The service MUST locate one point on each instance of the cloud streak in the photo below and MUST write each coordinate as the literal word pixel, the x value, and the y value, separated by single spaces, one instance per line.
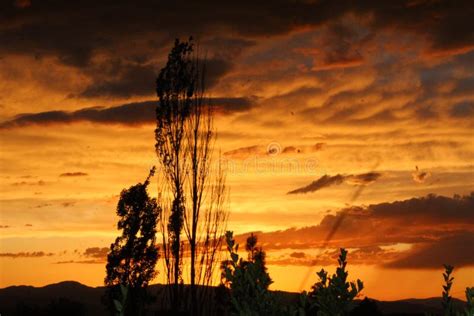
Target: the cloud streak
pixel 96 252
pixel 131 114
pixel 327 181
pixel 34 254
pixel 73 174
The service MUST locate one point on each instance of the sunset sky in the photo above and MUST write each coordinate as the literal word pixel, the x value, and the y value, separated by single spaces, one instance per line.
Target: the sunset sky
pixel 360 109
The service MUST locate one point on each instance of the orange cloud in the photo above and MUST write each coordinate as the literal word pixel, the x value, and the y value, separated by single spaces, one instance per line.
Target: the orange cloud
pixel 432 224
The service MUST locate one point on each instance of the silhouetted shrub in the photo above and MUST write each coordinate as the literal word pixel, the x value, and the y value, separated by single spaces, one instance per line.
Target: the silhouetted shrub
pixel 248 280
pixel 447 300
pixel 448 308
pixel 333 296
pixel 469 311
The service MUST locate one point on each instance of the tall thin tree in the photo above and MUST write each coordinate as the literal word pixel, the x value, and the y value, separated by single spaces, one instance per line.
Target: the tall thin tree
pixel 175 88
pixel 196 193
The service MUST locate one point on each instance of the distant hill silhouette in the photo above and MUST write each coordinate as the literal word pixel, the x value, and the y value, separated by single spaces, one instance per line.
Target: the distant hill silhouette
pixel 29 299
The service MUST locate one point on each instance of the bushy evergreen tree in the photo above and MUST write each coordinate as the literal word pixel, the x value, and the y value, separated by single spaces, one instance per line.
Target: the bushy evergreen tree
pixel 133 256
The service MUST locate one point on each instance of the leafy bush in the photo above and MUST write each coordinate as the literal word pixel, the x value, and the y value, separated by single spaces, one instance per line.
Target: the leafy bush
pixel 448 309
pixel 121 304
pixel 469 311
pixel 247 280
pixel 447 300
pixel 333 296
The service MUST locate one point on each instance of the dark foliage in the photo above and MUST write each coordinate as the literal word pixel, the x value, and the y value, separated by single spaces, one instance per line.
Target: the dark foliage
pixel 366 307
pixel 175 87
pixel 448 280
pixel 57 307
pixel 194 214
pixel 133 256
pixel 333 296
pixel 247 280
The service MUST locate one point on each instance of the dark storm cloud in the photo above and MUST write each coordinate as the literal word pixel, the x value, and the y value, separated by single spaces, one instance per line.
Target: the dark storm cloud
pixel 74 31
pixel 131 80
pixel 327 181
pixel 388 98
pixel 227 48
pixel 408 221
pixel 464 86
pixel 435 78
pixel 341 42
pixel 124 80
pixel 429 209
pixel 454 250
pixel 215 68
pixel 434 225
pixel 131 114
pixel 463 110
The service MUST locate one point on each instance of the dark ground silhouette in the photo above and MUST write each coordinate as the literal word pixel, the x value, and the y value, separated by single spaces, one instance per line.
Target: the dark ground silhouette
pixel 76 298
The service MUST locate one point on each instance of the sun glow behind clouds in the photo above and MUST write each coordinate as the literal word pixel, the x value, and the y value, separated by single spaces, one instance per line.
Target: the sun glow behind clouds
pixel 300 99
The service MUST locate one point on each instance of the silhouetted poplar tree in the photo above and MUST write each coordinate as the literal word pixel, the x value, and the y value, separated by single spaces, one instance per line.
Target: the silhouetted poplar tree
pixel 193 196
pixel 133 256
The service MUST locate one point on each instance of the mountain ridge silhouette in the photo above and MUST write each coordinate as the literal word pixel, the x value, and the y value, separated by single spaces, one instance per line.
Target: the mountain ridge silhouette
pixel 90 298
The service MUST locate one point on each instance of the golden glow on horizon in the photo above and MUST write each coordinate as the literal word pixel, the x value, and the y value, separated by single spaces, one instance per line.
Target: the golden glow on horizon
pixel 396 107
